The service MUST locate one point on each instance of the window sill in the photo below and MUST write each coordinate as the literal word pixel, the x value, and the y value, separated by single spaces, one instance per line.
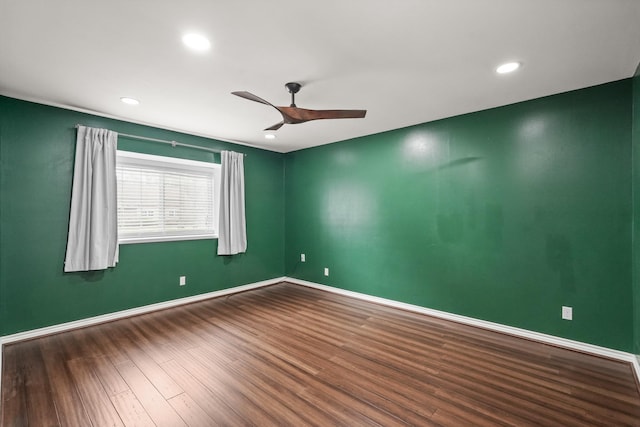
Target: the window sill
pixel 155 239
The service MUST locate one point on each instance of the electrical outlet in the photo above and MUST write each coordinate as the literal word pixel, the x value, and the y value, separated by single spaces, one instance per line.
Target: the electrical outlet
pixel 567 313
pixel 326 271
pixel 302 258
pixel 183 280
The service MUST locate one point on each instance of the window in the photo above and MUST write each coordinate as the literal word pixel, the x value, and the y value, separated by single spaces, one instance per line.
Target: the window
pixel 164 198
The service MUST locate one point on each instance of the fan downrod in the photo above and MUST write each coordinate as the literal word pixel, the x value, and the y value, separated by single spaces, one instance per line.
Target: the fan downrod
pixel 293 88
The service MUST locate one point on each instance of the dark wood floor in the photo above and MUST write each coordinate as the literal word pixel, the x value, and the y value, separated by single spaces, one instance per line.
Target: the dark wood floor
pixel 289 355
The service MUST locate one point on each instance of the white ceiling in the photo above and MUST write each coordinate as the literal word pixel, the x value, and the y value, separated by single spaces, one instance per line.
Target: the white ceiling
pixel 406 61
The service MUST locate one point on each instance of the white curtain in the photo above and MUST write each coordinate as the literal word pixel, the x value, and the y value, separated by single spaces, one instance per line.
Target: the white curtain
pixel 93 226
pixel 232 234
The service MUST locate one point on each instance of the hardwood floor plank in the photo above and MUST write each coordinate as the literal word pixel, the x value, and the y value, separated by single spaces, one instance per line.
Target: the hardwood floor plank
pixel 286 355
pixel 95 399
pixel 444 418
pixel 279 349
pixel 560 412
pixel 175 329
pixel 154 403
pixel 286 390
pixel 40 406
pixel 131 410
pixel 235 377
pixel 226 345
pixel 293 376
pixel 14 389
pixel 417 391
pixel 109 376
pixel 212 402
pixel 108 340
pixel 71 411
pixel 230 392
pixel 151 370
pixel 377 395
pixel 190 411
pixel 147 339
pixel 575 409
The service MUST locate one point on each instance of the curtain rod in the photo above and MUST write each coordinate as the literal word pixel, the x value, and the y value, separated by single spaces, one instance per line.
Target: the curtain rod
pixel 164 141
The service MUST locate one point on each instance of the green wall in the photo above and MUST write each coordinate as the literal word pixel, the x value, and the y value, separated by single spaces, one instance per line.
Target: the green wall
pixel 636 211
pixel 503 215
pixel 37 145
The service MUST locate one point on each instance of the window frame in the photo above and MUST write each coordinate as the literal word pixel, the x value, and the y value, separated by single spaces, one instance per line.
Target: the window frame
pixel 164 163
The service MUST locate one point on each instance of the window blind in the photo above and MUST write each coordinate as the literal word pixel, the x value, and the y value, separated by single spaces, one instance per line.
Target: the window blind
pixel 166 198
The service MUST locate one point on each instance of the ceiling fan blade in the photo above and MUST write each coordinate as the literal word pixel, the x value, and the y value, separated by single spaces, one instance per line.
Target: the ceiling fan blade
pixel 293 114
pixel 251 97
pixel 338 114
pixel 276 126
pixel 299 115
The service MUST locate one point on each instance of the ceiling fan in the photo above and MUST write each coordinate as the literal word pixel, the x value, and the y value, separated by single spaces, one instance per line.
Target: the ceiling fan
pixel 293 114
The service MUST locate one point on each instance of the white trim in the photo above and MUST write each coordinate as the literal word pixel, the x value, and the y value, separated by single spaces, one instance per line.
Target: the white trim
pixel 633 359
pixel 154 239
pixel 144 158
pixel 35 333
pixel 83 323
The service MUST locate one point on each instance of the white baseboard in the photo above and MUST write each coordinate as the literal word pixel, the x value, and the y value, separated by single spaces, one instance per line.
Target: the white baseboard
pixel 35 333
pixel 633 359
pixel 40 332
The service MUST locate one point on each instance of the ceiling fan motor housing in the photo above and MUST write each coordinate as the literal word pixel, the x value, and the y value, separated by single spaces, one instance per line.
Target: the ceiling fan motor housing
pixel 293 87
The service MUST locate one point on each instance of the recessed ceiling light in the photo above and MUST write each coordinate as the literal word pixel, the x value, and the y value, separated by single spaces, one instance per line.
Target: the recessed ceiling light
pixel 129 101
pixel 270 136
pixel 196 42
pixel 508 67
